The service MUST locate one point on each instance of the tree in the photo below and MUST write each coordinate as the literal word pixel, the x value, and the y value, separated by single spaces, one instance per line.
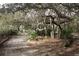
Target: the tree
pixel 44 17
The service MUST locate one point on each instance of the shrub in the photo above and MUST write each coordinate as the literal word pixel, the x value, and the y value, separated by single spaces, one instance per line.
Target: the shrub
pixel 67 36
pixel 66 33
pixel 7 30
pixel 31 34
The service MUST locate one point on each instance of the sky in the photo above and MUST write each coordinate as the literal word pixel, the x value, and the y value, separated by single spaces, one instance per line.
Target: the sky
pixel 38 1
pixel 0 5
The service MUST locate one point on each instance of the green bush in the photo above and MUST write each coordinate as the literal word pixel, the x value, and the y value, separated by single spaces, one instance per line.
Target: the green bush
pixel 66 33
pixel 31 34
pixel 67 36
pixel 7 30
